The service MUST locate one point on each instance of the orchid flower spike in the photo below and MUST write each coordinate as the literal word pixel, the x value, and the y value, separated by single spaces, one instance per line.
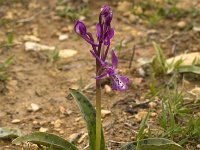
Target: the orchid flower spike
pixel 104 32
pixel 119 83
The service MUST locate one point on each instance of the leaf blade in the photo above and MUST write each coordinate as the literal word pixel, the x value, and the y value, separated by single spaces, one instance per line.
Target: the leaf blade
pixel 46 139
pixel 153 144
pixel 89 115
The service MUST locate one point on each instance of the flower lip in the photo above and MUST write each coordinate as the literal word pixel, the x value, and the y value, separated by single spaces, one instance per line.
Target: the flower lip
pixel 80 28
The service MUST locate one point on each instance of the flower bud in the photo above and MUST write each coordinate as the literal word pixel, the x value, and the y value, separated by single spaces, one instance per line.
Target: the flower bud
pixel 80 28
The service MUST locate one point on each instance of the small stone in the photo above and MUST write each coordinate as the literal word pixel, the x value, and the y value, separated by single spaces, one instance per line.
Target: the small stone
pixel 82 18
pixel 141 72
pixel 152 105
pixel 43 129
pixel 132 18
pixel 153 114
pixel 35 122
pixel 31 46
pixel 82 138
pixel 34 107
pixel 61 132
pixel 62 109
pixel 63 37
pixel 73 138
pixel 57 123
pixel 9 15
pixel 152 31
pixel 140 115
pixel 181 24
pixel 31 38
pixel 137 81
pixel 105 112
pixel 66 53
pixel 78 119
pixel 108 89
pixel 138 10
pixel 198 146
pixel 15 121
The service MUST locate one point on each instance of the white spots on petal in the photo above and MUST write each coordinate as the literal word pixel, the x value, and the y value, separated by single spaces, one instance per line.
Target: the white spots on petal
pixel 121 85
pixel 77 29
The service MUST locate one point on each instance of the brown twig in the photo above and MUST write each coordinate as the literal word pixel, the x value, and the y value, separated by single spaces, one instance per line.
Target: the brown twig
pixel 132 56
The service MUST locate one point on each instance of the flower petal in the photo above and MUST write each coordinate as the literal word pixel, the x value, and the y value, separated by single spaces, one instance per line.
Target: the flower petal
pixel 98 32
pixel 105 10
pixel 109 34
pixel 108 18
pixel 97 57
pixel 120 83
pixel 114 60
pixel 80 28
pixel 100 76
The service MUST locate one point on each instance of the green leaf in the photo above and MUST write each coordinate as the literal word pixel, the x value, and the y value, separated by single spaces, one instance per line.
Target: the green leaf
pixel 9 133
pixel 143 125
pixel 10 37
pixel 153 144
pixel 160 56
pixel 46 139
pixel 189 68
pixel 89 115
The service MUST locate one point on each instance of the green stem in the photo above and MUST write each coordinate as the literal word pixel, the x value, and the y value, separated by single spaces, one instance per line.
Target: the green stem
pixel 98 105
pixel 98 118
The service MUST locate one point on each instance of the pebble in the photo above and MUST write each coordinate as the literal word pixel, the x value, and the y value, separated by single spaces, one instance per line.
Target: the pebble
pixel 105 112
pixel 63 37
pixel 32 46
pixel 152 105
pixel 141 72
pixel 61 132
pixel 66 53
pixel 34 107
pixel 43 129
pixel 62 109
pixel 57 123
pixel 108 89
pixel 31 38
pixel 73 138
pixel 9 15
pixel 132 18
pixel 140 115
pixel 137 81
pixel 15 121
pixel 82 138
pixel 181 24
pixel 153 114
pixel 198 146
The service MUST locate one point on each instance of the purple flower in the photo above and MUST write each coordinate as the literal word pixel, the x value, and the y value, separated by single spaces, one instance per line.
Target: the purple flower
pixel 119 83
pixel 80 29
pixel 104 32
pixel 105 15
pixel 106 36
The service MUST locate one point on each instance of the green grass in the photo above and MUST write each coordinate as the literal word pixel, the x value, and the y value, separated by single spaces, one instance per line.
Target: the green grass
pixel 72 13
pixel 8 43
pixel 155 12
pixel 4 66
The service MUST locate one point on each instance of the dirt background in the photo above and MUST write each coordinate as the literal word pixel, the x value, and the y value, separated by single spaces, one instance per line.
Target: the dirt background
pixel 34 79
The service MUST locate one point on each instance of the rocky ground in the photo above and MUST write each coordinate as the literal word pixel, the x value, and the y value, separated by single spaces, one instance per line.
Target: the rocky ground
pixel 49 58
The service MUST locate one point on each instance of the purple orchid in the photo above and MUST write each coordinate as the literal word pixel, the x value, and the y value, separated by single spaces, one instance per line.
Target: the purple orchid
pixel 119 83
pixel 104 33
pixel 80 29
